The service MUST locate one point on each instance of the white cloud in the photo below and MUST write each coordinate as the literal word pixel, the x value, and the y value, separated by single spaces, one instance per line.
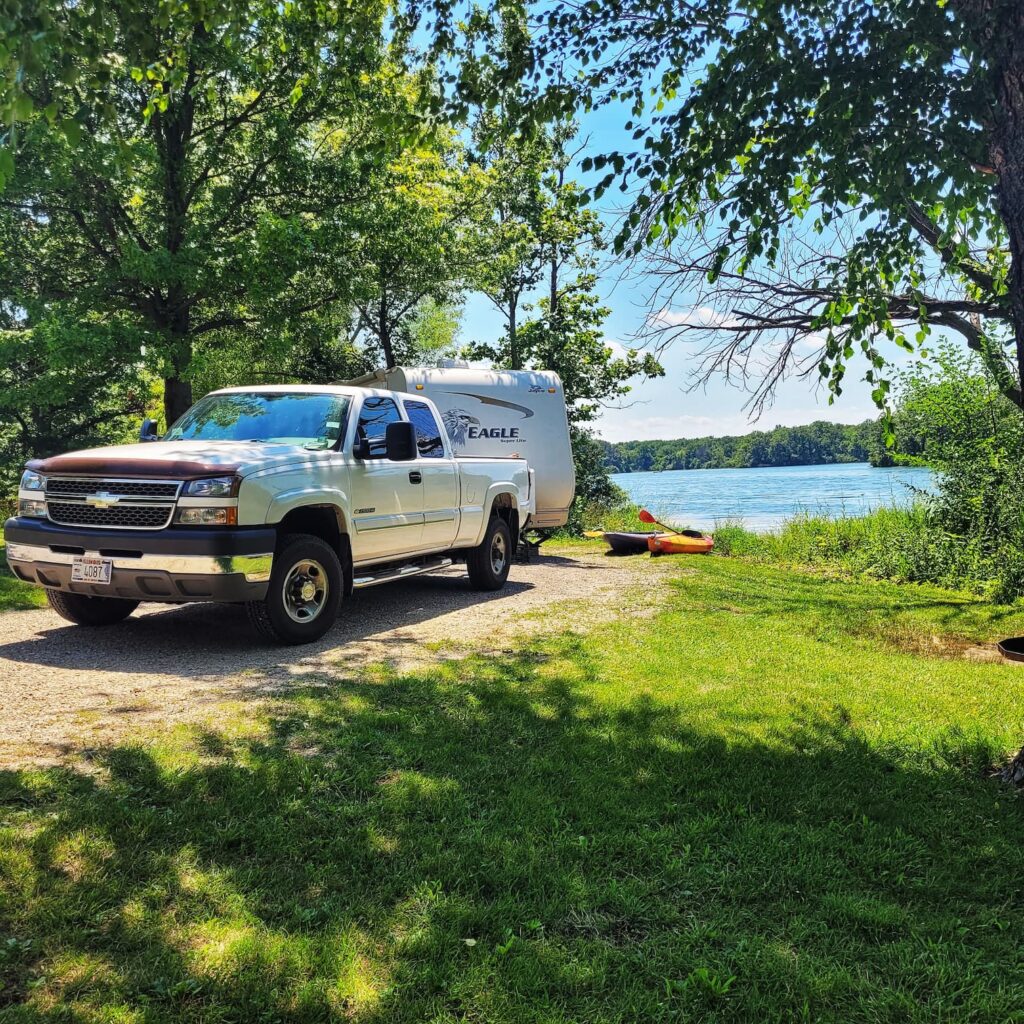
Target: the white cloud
pixel 708 319
pixel 812 342
pixel 695 316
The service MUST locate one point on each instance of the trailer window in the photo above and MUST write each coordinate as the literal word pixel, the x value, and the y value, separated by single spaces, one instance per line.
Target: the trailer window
pixel 428 433
pixel 374 418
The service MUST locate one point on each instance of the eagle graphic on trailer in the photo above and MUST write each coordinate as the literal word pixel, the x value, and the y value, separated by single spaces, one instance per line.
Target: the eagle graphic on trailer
pixel 457 422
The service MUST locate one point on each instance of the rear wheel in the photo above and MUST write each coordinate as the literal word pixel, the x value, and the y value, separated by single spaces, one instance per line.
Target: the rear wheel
pixel 306 585
pixel 84 610
pixel 489 562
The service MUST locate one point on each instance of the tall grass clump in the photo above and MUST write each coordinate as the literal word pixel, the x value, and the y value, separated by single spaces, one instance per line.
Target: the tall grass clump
pixel 901 544
pixel 617 514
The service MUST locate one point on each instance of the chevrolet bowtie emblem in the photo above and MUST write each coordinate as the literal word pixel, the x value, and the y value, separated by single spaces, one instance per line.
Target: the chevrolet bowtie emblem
pixel 101 499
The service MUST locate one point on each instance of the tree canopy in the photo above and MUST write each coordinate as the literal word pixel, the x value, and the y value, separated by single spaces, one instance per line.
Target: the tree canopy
pixel 846 172
pixel 205 194
pixel 222 201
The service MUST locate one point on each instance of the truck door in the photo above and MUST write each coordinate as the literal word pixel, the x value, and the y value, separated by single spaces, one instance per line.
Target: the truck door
pixel 438 475
pixel 386 499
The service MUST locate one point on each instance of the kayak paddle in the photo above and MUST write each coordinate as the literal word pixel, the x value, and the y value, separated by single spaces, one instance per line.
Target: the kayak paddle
pixel 646 517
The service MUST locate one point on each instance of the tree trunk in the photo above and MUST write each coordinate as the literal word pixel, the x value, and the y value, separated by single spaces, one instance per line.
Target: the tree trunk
pixel 177 388
pixel 177 398
pixel 999 29
pixel 553 287
pixel 174 136
pixel 1014 771
pixel 515 361
pixel 1008 161
pixel 553 277
pixel 384 330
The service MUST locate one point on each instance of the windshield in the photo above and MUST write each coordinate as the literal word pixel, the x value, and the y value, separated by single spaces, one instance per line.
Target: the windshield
pixel 311 420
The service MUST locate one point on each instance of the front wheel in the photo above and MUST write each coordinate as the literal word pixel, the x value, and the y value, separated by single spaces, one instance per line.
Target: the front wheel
pixel 304 594
pixel 83 610
pixel 488 563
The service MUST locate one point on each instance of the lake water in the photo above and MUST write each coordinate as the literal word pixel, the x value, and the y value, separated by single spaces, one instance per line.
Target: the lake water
pixel 764 498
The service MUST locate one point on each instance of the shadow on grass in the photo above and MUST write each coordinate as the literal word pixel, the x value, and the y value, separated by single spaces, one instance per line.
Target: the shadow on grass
pixel 486 841
pixel 878 610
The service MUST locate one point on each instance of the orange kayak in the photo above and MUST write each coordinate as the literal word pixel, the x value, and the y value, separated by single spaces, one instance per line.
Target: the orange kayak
pixel 689 542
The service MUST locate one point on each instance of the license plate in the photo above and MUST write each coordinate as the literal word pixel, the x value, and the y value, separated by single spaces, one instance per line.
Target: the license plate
pixel 89 569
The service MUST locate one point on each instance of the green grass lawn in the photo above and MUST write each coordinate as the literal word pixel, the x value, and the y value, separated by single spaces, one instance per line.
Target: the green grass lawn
pixel 14 594
pixel 761 803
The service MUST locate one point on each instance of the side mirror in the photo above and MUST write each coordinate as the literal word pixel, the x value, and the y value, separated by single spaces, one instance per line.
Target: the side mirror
pixel 400 440
pixel 147 432
pixel 369 448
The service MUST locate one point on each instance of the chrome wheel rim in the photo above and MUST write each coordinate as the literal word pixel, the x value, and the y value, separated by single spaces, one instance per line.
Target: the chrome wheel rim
pixel 305 590
pixel 498 554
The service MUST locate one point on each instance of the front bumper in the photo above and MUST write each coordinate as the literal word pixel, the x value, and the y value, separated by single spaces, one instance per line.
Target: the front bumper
pixel 174 565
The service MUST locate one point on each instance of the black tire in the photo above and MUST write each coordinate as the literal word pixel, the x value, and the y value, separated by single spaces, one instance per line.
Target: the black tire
pixel 489 562
pixel 84 610
pixel 305 591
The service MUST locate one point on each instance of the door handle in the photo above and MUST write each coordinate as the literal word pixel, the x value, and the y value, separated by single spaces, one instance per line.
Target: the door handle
pixel 415 476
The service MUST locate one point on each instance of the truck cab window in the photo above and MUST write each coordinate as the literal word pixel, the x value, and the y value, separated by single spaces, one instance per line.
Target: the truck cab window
pixel 374 418
pixel 428 433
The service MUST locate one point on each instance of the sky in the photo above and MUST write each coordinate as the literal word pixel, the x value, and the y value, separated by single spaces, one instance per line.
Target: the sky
pixel 668 407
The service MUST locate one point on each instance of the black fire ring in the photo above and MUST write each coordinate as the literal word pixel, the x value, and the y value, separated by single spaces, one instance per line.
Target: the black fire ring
pixel 1012 648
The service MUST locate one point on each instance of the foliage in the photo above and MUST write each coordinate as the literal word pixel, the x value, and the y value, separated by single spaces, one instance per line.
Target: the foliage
pixel 595 493
pixel 900 544
pixel 570 341
pixel 815 444
pixel 612 512
pixel 416 243
pixel 606 824
pixel 64 384
pixel 218 207
pixel 974 437
pixel 851 174
pixel 433 333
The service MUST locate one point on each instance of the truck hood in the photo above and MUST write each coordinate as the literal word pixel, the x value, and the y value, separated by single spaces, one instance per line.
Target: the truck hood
pixel 175 460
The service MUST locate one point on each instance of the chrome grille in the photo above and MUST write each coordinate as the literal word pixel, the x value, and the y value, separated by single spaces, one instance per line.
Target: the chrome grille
pixel 59 486
pixel 117 504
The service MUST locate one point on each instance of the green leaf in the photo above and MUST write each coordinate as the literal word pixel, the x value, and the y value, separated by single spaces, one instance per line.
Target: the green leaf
pixel 22 109
pixel 72 131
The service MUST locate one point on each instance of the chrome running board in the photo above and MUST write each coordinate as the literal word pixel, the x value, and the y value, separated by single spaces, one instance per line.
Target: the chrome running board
pixel 391 573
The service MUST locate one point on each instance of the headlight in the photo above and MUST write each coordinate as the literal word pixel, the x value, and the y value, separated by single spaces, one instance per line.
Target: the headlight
pixel 31 507
pixel 32 481
pixel 212 487
pixel 220 515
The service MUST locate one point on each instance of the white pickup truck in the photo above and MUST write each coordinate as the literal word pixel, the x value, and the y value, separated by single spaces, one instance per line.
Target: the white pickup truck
pixel 285 498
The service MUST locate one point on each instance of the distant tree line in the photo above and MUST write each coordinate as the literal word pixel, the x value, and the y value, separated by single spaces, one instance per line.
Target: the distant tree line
pixel 815 444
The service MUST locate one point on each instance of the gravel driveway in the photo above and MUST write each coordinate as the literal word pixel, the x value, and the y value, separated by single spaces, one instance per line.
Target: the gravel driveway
pixel 64 688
